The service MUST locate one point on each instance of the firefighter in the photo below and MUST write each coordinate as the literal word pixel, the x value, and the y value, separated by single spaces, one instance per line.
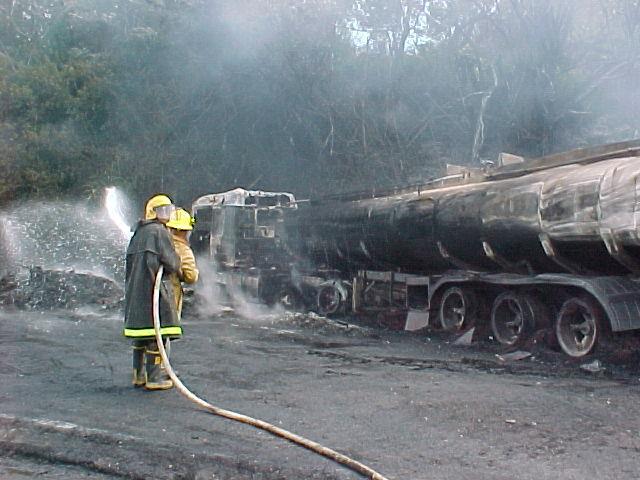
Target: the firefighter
pixel 150 247
pixel 181 224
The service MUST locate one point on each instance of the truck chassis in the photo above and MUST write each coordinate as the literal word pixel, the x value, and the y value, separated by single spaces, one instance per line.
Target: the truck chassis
pixel 579 309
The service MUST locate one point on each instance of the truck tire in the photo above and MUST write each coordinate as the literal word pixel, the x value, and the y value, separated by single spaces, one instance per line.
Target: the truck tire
pixel 329 300
pixel 457 309
pixel 579 326
pixel 514 317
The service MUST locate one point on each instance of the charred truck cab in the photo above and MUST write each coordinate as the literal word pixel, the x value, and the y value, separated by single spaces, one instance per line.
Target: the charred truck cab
pixel 243 234
pixel 240 232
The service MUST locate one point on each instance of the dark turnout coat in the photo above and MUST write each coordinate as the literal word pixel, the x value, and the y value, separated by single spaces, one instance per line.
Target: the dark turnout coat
pixel 150 247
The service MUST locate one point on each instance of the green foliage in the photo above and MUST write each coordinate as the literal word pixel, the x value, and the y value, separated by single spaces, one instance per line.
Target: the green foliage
pixel 312 96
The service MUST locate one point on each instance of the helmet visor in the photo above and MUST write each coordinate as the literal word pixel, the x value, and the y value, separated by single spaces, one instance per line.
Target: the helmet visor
pixel 164 212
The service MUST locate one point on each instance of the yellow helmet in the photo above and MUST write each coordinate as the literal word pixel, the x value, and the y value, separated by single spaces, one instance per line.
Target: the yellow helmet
pixel 153 203
pixel 181 220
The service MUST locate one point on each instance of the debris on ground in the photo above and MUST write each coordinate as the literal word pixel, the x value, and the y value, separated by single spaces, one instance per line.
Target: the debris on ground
pixel 321 324
pixel 513 356
pixel 47 289
pixel 592 367
pixel 466 338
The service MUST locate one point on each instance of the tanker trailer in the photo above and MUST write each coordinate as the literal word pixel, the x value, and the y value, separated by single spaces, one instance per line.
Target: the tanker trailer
pixel 533 243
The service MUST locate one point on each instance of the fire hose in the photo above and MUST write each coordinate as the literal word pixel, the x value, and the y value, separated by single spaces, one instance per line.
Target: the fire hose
pixel 278 432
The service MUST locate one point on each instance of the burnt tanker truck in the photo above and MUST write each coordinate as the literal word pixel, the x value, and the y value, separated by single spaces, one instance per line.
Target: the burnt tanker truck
pixel 527 244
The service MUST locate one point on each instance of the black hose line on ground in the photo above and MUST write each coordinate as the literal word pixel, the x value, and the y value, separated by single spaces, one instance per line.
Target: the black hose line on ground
pixel 278 432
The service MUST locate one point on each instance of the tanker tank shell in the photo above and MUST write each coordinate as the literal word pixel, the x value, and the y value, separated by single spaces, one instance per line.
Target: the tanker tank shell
pixel 576 212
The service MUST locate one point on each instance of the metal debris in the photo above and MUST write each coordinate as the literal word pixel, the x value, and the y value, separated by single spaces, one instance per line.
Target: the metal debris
pixel 513 356
pixel 592 367
pixel 466 338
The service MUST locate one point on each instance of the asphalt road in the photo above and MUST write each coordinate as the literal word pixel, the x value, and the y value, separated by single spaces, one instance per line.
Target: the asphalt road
pixel 409 406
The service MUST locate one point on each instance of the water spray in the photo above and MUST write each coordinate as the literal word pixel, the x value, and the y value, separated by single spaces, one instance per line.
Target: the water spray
pixel 113 202
pixel 262 425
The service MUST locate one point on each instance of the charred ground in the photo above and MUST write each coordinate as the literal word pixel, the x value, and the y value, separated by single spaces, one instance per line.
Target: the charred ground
pixel 412 406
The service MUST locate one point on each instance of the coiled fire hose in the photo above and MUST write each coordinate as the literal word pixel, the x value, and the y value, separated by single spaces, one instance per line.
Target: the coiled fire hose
pixel 278 432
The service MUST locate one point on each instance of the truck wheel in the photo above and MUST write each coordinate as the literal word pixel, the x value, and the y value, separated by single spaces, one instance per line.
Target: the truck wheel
pixel 290 299
pixel 329 300
pixel 513 317
pixel 457 309
pixel 578 326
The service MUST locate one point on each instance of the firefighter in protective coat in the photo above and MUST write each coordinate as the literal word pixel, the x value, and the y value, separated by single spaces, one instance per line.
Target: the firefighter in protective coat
pixel 181 224
pixel 150 247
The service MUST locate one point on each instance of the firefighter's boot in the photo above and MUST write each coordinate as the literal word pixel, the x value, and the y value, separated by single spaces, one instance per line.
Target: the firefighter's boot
pixel 156 378
pixel 139 376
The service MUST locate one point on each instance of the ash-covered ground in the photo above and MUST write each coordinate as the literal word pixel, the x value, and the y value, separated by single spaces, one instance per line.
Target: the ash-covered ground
pixel 411 406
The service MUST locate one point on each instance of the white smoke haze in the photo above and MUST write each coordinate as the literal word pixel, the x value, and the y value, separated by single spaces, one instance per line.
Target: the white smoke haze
pixel 252 310
pixel 248 28
pixel 216 295
pixel 209 293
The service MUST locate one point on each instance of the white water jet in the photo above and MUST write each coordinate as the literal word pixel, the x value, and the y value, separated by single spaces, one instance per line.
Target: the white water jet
pixel 115 203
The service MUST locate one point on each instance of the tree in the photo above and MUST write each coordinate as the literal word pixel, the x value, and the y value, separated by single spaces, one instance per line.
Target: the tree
pixel 312 96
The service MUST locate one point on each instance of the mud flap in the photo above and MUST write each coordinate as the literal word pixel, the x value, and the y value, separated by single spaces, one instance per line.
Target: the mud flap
pixel 416 320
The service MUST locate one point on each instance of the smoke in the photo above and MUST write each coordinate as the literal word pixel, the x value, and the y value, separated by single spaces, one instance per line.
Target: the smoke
pixel 217 294
pixel 248 29
pixel 210 298
pixel 251 309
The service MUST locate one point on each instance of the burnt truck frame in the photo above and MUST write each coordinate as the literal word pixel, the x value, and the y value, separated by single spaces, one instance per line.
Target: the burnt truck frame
pixel 242 233
pixel 543 243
